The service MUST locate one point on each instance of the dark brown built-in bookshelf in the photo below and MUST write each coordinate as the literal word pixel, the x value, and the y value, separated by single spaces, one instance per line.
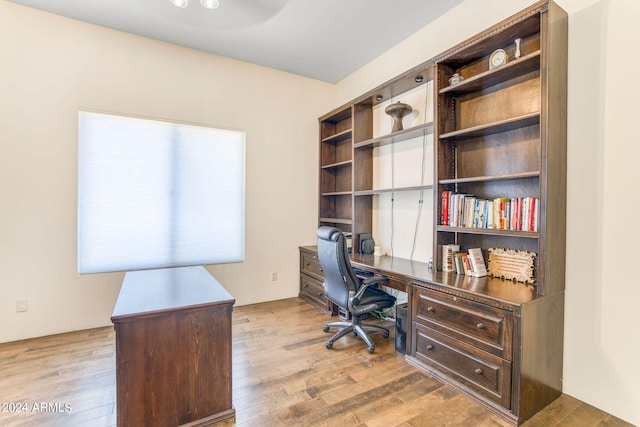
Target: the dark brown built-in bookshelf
pixel 499 133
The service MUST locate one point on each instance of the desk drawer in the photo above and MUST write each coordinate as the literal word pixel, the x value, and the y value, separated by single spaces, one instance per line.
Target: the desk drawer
pixel 488 328
pixel 483 372
pixel 309 264
pixel 313 291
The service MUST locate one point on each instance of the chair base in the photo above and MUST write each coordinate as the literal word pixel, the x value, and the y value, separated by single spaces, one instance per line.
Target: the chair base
pixel 358 328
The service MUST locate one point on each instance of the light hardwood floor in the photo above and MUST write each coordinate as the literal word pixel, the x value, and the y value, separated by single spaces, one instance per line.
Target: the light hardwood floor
pixel 282 376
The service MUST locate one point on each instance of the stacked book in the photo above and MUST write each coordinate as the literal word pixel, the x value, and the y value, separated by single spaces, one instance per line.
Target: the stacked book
pixel 468 263
pixel 466 210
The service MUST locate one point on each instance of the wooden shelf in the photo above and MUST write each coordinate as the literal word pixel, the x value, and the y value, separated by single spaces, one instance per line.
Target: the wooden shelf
pixel 523 175
pixel 337 115
pixel 338 193
pixel 516 67
pixel 489 231
pixel 338 165
pixel 336 220
pixel 493 128
pixel 392 190
pixel 402 135
pixel 340 136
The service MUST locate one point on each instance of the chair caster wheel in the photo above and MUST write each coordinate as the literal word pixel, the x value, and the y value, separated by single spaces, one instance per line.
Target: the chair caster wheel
pixel 385 334
pixel 370 350
pixel 325 329
pixel 329 345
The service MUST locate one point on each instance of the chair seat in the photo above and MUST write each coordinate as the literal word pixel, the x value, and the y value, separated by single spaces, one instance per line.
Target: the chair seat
pixel 378 297
pixel 373 299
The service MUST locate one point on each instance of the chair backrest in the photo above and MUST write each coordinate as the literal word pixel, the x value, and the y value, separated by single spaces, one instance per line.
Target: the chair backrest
pixel 339 277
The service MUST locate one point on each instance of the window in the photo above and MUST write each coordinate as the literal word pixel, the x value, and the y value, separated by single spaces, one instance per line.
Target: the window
pixel 155 194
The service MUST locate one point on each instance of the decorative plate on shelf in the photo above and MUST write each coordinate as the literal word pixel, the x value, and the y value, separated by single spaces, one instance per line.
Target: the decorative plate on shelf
pixel 498 58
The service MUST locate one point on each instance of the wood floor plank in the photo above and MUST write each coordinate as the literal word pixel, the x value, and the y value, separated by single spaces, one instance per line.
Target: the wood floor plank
pixel 611 421
pixel 282 376
pixel 400 415
pixel 583 415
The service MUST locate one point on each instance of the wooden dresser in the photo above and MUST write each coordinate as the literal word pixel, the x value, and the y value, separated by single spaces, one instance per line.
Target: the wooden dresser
pixel 173 349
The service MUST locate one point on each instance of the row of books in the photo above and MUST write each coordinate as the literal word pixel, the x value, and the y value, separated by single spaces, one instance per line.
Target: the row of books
pixel 468 263
pixel 502 213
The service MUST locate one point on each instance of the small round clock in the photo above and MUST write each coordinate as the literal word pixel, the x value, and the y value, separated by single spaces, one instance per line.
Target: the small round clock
pixel 498 58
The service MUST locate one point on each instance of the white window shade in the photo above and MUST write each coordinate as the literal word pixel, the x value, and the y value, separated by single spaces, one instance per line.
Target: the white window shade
pixel 155 194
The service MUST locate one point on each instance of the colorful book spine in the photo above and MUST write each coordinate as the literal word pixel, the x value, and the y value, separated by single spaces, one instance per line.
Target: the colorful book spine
pixel 444 209
pixel 459 262
pixel 501 213
pixel 448 252
pixel 467 266
pixel 478 266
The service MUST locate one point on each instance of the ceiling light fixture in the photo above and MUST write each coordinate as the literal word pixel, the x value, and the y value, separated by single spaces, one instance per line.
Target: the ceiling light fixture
pixel 180 3
pixel 209 4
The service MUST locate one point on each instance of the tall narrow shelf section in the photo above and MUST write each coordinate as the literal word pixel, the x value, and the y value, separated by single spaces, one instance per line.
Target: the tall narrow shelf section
pixel 500 140
pixel 501 135
pixel 336 170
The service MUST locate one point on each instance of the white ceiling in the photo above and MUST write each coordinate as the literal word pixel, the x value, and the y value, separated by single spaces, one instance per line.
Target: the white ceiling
pixel 321 39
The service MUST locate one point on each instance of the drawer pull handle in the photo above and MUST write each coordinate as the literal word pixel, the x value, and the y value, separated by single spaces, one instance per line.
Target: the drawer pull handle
pixel 478 371
pixel 430 309
pixel 480 326
pixel 429 347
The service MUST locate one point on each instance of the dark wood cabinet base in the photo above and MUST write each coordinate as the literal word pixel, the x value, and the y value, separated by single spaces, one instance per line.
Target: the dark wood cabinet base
pixel 173 349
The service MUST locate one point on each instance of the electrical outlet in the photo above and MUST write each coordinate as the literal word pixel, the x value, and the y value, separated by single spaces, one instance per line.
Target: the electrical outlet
pixel 274 276
pixel 22 305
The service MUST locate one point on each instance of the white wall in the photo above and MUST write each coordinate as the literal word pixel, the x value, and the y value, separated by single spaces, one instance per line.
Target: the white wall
pixel 52 66
pixel 602 344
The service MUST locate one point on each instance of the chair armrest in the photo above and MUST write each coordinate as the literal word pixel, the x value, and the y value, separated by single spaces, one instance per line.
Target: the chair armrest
pixel 373 280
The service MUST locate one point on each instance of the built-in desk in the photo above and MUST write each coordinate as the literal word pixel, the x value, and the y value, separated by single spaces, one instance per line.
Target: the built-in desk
pixel 495 340
pixel 173 349
pixel 402 272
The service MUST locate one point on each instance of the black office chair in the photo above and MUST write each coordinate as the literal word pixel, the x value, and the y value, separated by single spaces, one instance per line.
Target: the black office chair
pixel 348 291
